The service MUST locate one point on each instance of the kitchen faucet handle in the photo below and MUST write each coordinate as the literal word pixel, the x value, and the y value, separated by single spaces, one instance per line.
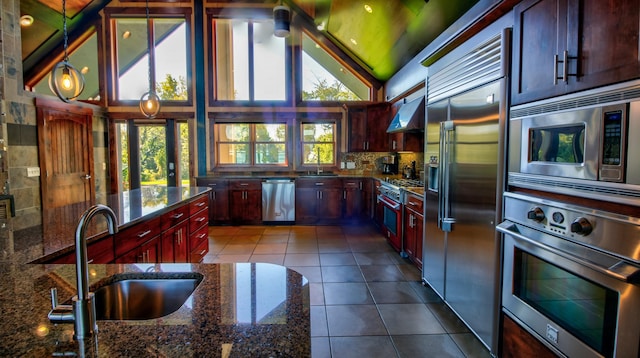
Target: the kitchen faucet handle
pixel 54 298
pixel 60 313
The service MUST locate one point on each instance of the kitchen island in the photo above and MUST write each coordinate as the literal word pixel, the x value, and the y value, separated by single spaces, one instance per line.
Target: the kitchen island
pixel 237 310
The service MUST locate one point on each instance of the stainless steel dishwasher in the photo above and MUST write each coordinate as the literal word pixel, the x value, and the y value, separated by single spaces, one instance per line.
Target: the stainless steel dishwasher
pixel 279 200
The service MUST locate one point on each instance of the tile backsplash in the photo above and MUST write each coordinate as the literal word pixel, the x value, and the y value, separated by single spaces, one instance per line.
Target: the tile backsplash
pixel 371 162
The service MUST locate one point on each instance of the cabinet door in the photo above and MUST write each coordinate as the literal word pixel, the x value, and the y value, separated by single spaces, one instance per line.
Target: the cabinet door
pixel 409 142
pixel 604 38
pixel 357 129
pixel 378 120
pixel 330 205
pixel 236 205
pixel 253 208
pixel 409 243
pixel 539 34
pixel 418 228
pixel 219 206
pixel 353 198
pixel 148 252
pixel 306 202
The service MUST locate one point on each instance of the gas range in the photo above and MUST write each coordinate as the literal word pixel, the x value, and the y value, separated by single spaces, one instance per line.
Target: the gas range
pixel 393 188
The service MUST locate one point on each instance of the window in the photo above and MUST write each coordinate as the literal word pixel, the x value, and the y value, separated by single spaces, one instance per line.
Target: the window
pixel 252 144
pixel 169 54
pixel 85 59
pixel 250 61
pixel 326 79
pixel 318 143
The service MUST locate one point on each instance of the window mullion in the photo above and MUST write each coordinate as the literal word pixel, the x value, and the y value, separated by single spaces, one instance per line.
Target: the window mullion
pixel 250 61
pixel 152 52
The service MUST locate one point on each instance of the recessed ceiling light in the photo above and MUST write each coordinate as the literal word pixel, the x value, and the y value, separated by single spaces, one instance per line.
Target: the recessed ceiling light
pixel 26 20
pixel 126 34
pixel 84 70
pixel 353 41
pixel 368 8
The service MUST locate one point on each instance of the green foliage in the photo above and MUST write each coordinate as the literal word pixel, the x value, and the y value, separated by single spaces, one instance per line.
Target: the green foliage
pixel 172 89
pixel 324 91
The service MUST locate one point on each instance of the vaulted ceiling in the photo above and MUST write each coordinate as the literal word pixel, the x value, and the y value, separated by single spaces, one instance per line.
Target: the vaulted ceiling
pixel 381 35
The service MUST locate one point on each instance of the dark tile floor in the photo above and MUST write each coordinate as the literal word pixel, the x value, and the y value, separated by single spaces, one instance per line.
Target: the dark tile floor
pixel 366 301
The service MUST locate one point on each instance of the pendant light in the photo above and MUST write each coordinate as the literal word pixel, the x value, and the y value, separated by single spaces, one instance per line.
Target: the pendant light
pixel 65 81
pixel 281 20
pixel 149 102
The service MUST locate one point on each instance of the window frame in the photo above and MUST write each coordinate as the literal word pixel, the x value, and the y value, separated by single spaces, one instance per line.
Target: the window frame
pixel 318 118
pixel 252 119
pixel 114 13
pixel 214 14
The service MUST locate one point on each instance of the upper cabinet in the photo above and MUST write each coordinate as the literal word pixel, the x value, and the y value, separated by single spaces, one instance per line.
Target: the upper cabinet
pixel 368 127
pixel 564 46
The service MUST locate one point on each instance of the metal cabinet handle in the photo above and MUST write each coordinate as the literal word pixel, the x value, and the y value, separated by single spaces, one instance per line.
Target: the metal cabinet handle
pixel 86 176
pixel 200 204
pixel 200 219
pixel 177 216
pixel 143 234
pixel 319 183
pixel 213 195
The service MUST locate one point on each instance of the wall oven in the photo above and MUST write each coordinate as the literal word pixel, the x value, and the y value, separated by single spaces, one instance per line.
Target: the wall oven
pixel 572 276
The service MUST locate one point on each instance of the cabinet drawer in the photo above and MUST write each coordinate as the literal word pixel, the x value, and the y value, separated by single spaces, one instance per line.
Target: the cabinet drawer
pixel 414 203
pixel 174 217
pixel 132 237
pixel 198 253
pixel 333 183
pixel 199 219
pixel 253 184
pixel 198 204
pixel 352 183
pixel 197 237
pixel 215 184
pixel 98 252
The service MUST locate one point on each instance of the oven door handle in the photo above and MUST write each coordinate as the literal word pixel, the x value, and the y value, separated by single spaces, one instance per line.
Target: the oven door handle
pixel 620 271
pixel 389 203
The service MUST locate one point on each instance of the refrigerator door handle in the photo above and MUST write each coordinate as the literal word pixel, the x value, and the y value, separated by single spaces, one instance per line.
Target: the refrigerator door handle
pixel 445 222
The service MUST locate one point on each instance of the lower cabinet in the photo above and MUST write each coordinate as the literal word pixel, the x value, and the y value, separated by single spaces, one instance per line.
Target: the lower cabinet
pixel 98 252
pixel 175 243
pixel 353 198
pixel 413 224
pixel 218 199
pixel 318 201
pixel 148 252
pixel 246 201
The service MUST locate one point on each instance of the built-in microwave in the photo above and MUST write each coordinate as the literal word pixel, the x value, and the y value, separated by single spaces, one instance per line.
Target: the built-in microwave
pixel 583 148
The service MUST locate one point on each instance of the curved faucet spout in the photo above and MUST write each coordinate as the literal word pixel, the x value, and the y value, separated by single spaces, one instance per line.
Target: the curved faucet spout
pixel 82 274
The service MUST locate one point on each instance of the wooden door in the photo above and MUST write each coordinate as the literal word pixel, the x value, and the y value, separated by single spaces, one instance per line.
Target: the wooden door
pixel 357 129
pixel 65 142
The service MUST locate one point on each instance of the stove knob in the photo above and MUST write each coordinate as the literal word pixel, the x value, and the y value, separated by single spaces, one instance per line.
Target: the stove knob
pixel 581 226
pixel 536 214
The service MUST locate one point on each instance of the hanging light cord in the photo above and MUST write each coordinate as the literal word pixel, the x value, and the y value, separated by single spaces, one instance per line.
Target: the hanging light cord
pixel 64 29
pixel 149 45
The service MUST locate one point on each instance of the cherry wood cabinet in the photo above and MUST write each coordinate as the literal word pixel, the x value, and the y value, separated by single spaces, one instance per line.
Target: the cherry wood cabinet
pixel 368 198
pixel 413 225
pixel 368 127
pixel 517 342
pixel 218 199
pixel 318 200
pixel 353 198
pixel 564 46
pixel 175 243
pixel 198 229
pixel 406 142
pixel 246 201
pixel 100 251
pixel 147 252
pixel 132 238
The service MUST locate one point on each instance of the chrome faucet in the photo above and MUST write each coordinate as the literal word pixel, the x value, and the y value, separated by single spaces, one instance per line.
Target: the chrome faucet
pixel 319 170
pixel 83 311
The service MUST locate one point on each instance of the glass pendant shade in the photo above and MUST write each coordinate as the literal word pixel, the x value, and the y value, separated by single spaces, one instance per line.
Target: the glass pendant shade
pixel 66 81
pixel 150 104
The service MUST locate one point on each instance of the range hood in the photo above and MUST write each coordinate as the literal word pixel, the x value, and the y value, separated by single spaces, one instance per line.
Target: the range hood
pixel 410 117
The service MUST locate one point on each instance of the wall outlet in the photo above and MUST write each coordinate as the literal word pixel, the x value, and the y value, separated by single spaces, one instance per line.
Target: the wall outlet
pixel 33 171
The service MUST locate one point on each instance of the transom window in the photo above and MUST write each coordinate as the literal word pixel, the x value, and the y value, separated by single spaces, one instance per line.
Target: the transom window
pixel 318 143
pixel 251 144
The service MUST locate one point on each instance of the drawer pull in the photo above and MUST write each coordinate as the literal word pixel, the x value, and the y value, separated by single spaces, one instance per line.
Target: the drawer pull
pixel 143 234
pixel 244 184
pixel 200 219
pixel 177 216
pixel 201 236
pixel 319 184
pixel 200 204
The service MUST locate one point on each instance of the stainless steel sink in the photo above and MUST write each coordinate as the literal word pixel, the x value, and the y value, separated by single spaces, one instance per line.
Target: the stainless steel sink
pixel 144 296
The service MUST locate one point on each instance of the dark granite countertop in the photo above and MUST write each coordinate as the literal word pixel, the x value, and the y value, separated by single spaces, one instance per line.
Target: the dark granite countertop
pixel 246 309
pixel 57 234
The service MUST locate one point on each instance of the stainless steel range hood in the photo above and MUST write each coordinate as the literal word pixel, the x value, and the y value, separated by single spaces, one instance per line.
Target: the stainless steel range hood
pixel 410 117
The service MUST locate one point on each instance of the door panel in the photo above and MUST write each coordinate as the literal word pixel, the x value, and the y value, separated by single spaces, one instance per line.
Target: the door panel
pixel 66 155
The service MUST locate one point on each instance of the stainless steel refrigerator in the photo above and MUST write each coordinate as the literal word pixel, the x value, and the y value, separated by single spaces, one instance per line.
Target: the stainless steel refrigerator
pixel 464 158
